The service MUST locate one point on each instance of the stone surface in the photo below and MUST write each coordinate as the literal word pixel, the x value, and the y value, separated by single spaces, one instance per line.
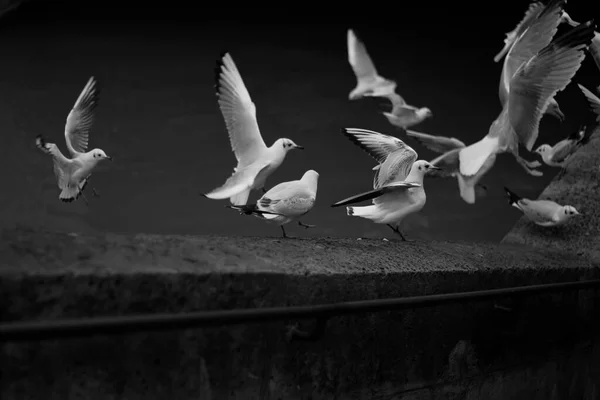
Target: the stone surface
pixel 430 353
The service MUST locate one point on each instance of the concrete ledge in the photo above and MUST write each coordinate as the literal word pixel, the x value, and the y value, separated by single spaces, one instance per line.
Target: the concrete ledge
pixel 434 352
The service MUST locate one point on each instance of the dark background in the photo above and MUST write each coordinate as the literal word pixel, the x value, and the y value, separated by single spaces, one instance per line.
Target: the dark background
pixel 158 115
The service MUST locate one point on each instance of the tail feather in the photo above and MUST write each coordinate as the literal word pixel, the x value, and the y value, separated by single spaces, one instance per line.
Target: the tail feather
pixel 513 199
pixel 72 192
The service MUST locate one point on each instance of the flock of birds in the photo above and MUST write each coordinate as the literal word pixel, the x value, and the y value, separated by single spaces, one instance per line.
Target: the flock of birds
pixel 537 65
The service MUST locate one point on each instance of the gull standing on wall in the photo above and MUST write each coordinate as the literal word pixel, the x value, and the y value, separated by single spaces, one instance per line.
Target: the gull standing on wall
pixel 533 85
pixel 449 147
pixel 560 153
pixel 542 212
pixel 398 182
pixel 255 161
pixel 286 201
pixel 73 174
pixel 368 81
pixel 519 54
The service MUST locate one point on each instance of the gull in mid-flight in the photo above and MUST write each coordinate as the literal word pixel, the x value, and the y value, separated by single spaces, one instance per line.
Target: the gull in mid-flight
pixel 542 212
pixel 285 202
pixel 533 85
pixel 449 147
pixel 398 182
pixel 74 173
pixel 404 115
pixel 255 161
pixel 368 81
pixel 543 22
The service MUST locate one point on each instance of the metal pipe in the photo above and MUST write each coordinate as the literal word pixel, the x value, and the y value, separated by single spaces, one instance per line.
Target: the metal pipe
pixel 68 328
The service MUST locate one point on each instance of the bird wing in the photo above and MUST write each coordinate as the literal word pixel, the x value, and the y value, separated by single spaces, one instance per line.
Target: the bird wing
pixel 378 145
pixel 371 194
pixel 396 167
pixel 81 117
pixel 239 113
pixel 539 33
pixel 63 167
pixel 359 59
pixel 439 144
pixel 538 80
pixel 532 12
pixel 592 100
pixel 241 180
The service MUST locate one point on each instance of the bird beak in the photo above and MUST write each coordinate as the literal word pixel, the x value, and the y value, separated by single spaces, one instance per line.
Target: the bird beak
pixel 577 212
pixel 434 167
pixel 109 158
pixel 299 147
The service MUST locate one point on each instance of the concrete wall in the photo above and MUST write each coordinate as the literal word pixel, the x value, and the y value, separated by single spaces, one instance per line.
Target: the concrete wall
pixel 524 349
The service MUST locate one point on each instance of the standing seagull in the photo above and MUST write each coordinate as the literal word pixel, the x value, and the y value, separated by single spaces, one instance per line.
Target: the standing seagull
pixel 524 47
pixel 449 147
pixel 560 153
pixel 73 174
pixel 285 202
pixel 255 160
pixel 368 81
pixel 404 115
pixel 531 88
pixel 398 183
pixel 542 212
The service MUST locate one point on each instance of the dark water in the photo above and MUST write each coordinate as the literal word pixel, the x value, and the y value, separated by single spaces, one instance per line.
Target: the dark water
pixel 159 119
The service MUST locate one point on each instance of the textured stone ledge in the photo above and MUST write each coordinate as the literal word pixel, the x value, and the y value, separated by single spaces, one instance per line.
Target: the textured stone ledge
pixel 446 349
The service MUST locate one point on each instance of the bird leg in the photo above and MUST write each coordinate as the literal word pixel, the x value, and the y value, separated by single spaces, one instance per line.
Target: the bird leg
pixel 84 199
pixel 284 234
pixel 396 230
pixel 529 166
pixel 95 193
pixel 306 225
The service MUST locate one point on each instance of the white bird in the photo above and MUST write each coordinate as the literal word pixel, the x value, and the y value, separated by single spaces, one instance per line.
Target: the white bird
pixel 398 184
pixel 404 115
pixel 542 212
pixel 449 147
pixel 522 47
pixel 286 201
pixel 531 88
pixel 73 173
pixel 560 153
pixel 255 161
pixel 368 81
pixel 394 157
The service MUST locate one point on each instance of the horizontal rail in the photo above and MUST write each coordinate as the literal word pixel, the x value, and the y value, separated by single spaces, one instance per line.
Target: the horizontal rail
pixel 68 328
